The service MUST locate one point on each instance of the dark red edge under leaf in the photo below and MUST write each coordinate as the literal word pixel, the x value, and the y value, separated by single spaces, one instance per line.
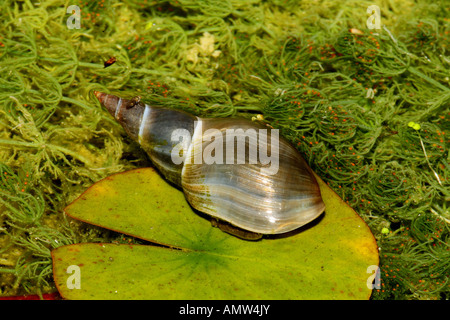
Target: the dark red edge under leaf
pixel 45 296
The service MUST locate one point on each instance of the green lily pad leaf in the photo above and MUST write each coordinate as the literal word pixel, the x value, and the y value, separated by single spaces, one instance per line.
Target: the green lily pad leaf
pixel 331 258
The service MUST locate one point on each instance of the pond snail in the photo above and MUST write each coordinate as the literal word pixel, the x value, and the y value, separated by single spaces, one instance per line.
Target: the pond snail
pixel 224 168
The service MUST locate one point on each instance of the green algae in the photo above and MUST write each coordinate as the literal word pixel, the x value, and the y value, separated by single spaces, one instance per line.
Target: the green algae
pixel 342 94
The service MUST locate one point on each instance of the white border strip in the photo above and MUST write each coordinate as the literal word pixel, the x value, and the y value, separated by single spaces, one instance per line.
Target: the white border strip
pixel 119 105
pixel 144 121
pixel 197 131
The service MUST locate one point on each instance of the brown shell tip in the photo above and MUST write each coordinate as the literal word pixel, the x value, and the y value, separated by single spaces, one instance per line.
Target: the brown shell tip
pixel 100 96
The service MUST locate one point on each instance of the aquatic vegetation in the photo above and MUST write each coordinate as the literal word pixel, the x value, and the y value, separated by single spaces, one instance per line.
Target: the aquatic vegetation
pixel 341 93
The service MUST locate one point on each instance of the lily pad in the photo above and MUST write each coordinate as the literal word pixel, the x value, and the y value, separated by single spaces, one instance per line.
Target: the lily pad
pixel 327 259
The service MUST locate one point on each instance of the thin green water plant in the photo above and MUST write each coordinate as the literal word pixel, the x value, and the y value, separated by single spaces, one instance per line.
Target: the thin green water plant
pixel 339 92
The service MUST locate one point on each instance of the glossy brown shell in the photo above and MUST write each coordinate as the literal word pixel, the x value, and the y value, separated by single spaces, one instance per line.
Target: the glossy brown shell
pixel 248 195
pixel 245 196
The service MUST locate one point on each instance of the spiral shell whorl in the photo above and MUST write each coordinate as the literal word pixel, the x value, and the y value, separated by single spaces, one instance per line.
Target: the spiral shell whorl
pixel 244 193
pixel 155 137
pixel 152 128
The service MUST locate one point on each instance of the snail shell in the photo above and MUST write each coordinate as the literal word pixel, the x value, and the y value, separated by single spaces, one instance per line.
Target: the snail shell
pixel 231 185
